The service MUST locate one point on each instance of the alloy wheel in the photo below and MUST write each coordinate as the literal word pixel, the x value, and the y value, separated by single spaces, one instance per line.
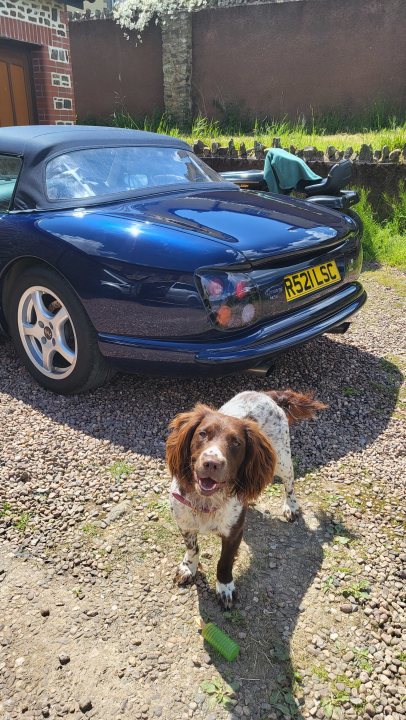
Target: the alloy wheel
pixel 47 332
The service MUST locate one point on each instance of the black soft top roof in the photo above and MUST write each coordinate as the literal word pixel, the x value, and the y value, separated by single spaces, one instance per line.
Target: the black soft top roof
pixel 37 144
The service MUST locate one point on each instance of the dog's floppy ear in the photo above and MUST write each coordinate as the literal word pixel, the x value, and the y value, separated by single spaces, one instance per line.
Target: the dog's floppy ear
pixel 182 429
pixel 258 468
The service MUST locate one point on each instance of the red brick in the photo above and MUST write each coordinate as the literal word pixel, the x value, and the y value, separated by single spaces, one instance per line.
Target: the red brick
pixel 42 65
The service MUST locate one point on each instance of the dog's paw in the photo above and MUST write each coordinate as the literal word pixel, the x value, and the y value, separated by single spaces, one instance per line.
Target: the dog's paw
pixel 291 511
pixel 226 594
pixel 184 575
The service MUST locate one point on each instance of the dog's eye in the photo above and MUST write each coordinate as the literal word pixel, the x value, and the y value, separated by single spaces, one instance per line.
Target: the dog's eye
pixel 235 442
pixel 202 433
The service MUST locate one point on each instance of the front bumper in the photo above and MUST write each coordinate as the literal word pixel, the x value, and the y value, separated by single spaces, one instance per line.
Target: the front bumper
pixel 235 354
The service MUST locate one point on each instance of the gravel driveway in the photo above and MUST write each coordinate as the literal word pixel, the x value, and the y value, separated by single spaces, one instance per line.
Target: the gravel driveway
pixel 91 624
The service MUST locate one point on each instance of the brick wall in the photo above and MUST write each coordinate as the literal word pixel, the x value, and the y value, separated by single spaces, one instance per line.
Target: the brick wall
pixel 44 24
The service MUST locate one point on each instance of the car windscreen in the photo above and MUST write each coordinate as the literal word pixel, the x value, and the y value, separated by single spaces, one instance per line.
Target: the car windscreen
pixel 98 172
pixel 9 170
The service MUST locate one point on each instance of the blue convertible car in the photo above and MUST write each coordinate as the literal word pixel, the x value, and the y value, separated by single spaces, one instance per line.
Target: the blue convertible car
pixel 122 249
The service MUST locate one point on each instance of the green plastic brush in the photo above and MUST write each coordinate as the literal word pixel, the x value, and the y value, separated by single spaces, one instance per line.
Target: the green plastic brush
pixel 218 639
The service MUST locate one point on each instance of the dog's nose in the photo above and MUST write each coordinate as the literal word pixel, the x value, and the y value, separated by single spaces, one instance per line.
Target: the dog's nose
pixel 212 463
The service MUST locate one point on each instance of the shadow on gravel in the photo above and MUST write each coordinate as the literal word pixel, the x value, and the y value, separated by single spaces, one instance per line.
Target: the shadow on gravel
pixel 270 601
pixel 133 412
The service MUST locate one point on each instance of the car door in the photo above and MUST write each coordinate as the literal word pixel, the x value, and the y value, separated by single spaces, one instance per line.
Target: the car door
pixel 10 166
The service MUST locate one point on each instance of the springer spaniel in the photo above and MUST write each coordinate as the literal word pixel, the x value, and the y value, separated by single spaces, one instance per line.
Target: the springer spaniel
pixel 222 460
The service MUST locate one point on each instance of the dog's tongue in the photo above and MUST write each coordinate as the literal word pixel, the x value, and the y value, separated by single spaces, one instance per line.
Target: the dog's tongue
pixel 207 483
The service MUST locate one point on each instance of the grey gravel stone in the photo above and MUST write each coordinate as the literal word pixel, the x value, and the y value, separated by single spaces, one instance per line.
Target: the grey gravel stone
pixel 85 705
pixel 116 512
pixel 347 608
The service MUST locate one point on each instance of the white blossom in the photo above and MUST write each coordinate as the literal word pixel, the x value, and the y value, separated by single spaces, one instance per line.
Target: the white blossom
pixel 137 14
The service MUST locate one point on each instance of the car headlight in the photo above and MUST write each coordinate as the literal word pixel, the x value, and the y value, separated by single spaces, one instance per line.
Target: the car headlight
pixel 232 299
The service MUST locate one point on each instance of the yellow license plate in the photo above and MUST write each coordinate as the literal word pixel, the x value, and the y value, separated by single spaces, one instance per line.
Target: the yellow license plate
pixel 310 280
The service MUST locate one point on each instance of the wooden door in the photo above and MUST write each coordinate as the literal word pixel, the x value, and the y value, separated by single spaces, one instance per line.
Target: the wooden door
pixel 16 106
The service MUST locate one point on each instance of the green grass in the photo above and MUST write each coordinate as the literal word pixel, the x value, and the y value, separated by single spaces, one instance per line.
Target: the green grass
pixel 21 522
pixel 343 570
pixel 235 618
pixel 219 692
pixel 283 701
pixel 320 672
pixel 394 367
pixel 338 696
pixel 332 581
pixel 5 509
pixel 118 469
pixel 274 490
pixel 361 659
pixel 388 279
pixel 358 590
pixel 159 123
pixel 161 532
pixel 334 700
pixel 161 507
pixel 377 127
pixel 349 391
pixel 394 139
pixel 90 530
pixel 328 584
pixel 385 241
pixel 341 535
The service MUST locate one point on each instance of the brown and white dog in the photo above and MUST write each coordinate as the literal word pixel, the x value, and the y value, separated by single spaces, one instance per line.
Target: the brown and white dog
pixel 222 460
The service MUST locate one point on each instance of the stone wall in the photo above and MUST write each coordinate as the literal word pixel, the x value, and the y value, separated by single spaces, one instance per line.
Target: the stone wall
pixel 376 178
pixel 177 67
pixel 37 12
pixel 379 171
pixel 257 151
pixel 44 25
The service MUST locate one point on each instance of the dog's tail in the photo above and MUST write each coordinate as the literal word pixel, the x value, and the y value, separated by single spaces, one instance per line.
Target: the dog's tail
pixel 297 406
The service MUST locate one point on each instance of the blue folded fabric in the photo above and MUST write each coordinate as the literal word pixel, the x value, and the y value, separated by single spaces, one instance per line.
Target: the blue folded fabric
pixel 283 171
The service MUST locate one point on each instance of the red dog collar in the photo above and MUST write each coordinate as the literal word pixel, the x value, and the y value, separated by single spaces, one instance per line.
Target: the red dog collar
pixel 183 500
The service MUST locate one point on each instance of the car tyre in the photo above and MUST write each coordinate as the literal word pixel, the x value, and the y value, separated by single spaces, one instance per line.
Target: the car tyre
pixel 52 333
